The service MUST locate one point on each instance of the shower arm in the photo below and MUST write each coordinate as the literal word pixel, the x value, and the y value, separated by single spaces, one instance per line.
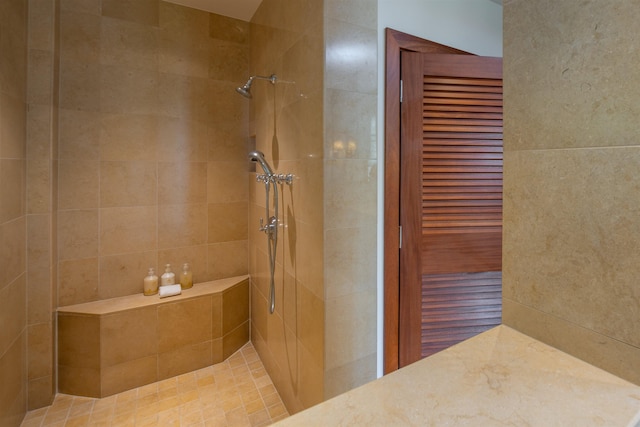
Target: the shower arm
pixel 272 78
pixel 245 90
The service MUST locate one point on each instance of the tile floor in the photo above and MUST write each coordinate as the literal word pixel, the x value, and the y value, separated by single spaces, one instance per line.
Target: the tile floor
pixel 236 392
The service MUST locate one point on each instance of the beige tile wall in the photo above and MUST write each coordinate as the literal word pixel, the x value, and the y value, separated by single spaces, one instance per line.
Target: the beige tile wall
pixel 350 194
pixel 571 227
pixel 321 339
pixel 13 221
pixel 41 133
pixel 152 140
pixel 152 165
pixel 152 146
pixel 287 120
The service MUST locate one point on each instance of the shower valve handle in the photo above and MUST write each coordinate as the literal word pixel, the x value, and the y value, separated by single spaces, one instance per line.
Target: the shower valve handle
pixel 270 227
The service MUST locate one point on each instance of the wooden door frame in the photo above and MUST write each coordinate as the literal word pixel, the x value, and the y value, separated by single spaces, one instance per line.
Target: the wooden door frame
pixel 396 42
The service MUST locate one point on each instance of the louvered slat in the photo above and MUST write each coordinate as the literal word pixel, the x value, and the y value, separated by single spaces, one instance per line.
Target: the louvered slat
pixel 457 81
pixel 462 151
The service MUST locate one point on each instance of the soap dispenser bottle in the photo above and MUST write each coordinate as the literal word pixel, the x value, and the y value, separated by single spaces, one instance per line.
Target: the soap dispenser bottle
pixel 168 277
pixel 186 277
pixel 151 283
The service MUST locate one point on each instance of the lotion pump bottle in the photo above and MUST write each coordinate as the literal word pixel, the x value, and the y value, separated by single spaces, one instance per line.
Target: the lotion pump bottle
pixel 169 277
pixel 186 277
pixel 151 283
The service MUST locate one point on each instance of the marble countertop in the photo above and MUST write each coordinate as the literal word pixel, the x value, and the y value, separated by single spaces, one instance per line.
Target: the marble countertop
pixel 498 378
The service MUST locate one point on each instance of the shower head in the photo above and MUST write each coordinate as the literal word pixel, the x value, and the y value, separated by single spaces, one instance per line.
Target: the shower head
pixel 257 156
pixel 246 89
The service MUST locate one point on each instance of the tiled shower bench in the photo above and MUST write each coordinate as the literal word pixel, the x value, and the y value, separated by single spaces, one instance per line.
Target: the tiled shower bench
pixel 109 346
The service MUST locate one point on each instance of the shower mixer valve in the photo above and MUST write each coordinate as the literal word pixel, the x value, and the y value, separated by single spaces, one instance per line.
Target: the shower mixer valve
pixel 270 228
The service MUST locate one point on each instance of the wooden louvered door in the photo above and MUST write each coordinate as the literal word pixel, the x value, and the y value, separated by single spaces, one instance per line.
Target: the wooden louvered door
pixel 451 200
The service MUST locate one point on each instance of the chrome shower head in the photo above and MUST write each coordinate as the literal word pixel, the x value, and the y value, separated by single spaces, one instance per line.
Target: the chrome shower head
pixel 258 156
pixel 246 89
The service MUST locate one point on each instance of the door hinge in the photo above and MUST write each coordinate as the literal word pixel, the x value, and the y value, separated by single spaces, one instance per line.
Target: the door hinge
pixel 400 237
pixel 401 92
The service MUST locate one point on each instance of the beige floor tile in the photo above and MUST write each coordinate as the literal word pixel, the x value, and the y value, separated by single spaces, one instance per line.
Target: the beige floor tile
pixel 148 399
pixel 78 421
pixel 267 389
pixel 127 396
pixel 125 408
pixel 170 403
pixel 246 387
pixel 148 389
pixel 235 393
pixel 168 392
pixel 250 396
pixel 206 380
pixel 254 406
pixel 208 389
pixel 187 387
pixel 238 418
pixel 277 411
pixel 105 403
pixel 80 407
pixel 55 417
pixel 148 410
pixel 37 413
pixel 169 417
pixel 124 418
pixel 231 402
pixel 101 415
pixel 166 384
pixel 192 418
pixel 148 421
pixel 32 422
pixel 260 418
pixel 190 407
pixel 271 399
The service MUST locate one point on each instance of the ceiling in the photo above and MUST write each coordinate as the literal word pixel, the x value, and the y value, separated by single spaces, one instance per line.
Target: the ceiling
pixel 238 9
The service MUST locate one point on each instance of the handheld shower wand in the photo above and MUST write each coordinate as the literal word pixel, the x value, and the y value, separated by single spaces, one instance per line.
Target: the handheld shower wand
pixel 258 156
pixel 271 228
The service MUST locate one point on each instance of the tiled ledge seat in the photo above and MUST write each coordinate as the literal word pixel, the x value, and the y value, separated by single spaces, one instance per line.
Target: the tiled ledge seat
pixel 109 346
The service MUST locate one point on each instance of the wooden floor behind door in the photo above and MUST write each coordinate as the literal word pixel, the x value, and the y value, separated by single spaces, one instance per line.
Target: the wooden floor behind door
pixel 456 307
